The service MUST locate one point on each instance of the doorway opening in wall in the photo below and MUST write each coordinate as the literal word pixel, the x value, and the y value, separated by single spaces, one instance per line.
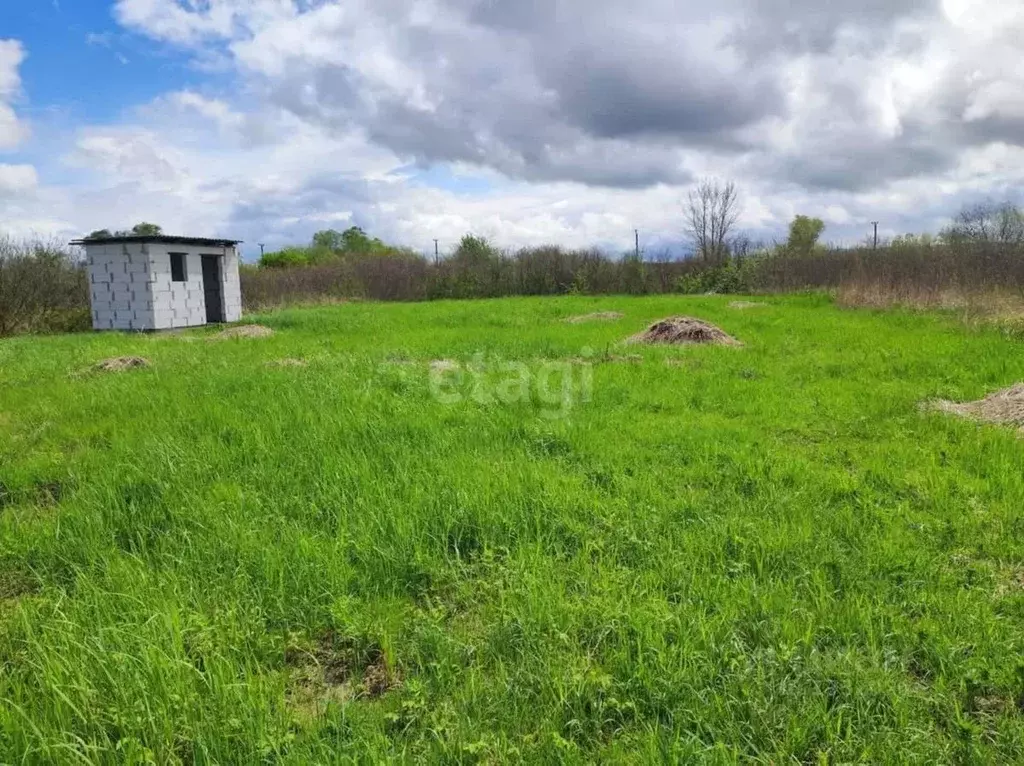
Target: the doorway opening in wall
pixel 213 289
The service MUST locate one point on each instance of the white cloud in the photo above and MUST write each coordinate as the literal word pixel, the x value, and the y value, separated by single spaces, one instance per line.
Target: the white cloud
pixel 570 122
pixel 17 179
pixel 12 130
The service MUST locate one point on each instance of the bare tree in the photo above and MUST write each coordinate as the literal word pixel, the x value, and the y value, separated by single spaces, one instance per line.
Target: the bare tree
pixel 712 210
pixel 987 223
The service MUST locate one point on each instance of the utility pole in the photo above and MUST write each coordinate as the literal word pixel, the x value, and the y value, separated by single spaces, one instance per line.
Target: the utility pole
pixel 875 245
pixel 261 249
pixel 637 232
pixel 437 252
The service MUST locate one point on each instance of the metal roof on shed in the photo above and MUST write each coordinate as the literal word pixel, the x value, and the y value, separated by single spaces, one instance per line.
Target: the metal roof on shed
pixel 159 239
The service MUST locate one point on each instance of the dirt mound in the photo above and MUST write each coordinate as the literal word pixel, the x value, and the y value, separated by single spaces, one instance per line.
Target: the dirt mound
pixel 600 316
pixel 1004 407
pixel 683 331
pixel 741 305
pixel 121 363
pixel 244 331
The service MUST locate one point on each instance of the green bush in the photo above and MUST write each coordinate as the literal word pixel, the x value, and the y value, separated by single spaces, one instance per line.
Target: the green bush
pixel 43 288
pixel 732 277
pixel 289 256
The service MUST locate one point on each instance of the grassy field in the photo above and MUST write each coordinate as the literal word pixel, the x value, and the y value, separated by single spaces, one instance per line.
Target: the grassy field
pixel 759 553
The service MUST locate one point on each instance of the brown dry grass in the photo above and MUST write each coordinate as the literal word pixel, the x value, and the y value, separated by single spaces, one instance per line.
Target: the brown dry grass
pixel 985 305
pixel 121 363
pixel 336 670
pixel 684 331
pixel 1004 407
pixel 244 331
pixel 15 585
pixel 443 365
pixel 608 359
pixel 288 363
pixel 600 316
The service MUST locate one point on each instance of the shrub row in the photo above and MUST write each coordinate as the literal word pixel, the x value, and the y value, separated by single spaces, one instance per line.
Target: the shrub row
pixel 44 288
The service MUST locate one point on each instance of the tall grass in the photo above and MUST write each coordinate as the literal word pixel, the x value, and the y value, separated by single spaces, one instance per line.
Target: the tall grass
pixel 763 554
pixel 924 275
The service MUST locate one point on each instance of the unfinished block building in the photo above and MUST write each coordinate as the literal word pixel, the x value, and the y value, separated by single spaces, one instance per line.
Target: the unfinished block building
pixel 162 282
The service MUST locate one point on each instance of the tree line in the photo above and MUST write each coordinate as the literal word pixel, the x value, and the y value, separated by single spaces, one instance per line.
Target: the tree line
pixel 44 286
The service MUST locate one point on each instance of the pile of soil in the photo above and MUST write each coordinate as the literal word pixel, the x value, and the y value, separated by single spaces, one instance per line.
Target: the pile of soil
pixel 684 331
pixel 1004 407
pixel 121 363
pixel 601 316
pixel 244 331
pixel 746 305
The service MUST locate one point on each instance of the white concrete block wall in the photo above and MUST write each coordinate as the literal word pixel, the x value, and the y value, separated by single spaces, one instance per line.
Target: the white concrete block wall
pixel 232 286
pixel 177 304
pixel 131 286
pixel 119 289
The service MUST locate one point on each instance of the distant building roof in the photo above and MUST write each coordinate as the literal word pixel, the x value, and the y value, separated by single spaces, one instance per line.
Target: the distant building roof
pixel 157 239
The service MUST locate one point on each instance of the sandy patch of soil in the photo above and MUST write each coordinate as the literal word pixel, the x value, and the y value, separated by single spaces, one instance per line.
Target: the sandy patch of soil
pixel 679 331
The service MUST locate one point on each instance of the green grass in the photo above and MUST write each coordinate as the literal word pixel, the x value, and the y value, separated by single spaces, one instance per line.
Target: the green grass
pixel 764 553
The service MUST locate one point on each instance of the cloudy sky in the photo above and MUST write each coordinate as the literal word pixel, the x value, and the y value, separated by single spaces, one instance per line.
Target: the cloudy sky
pixel 527 121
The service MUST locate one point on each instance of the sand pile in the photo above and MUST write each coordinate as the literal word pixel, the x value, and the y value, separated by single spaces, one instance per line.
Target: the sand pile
pixel 684 331
pixel 1004 407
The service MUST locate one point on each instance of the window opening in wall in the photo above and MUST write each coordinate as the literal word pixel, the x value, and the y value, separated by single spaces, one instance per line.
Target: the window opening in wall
pixel 178 267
